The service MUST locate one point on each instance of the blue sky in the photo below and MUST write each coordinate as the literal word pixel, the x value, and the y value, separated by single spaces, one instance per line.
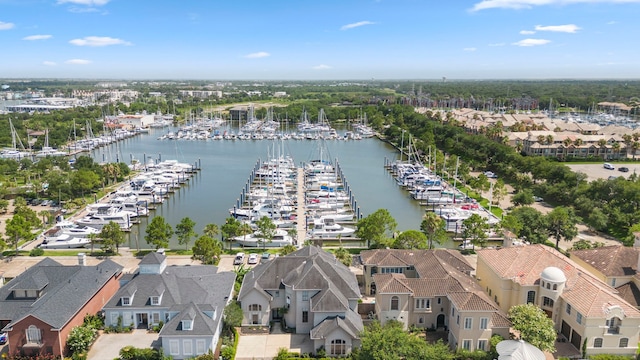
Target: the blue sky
pixel 329 39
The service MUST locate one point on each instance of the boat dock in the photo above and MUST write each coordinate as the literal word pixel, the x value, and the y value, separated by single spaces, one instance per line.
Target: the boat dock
pixel 301 226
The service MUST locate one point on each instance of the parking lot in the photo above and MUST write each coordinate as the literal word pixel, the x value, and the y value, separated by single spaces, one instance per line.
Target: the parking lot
pixel 597 171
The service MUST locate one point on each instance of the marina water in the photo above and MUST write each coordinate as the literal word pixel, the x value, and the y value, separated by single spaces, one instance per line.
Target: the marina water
pixel 226 165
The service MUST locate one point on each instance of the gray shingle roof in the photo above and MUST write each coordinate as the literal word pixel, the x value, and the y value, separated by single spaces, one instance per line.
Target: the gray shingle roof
pixel 202 324
pixel 66 289
pixel 351 323
pixel 153 258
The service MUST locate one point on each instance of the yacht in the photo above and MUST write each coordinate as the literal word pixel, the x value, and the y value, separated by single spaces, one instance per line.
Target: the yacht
pixel 327 228
pixel 281 238
pixel 64 241
pixel 98 220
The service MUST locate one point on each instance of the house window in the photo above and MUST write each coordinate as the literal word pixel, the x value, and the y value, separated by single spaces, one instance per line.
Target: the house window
pixel 305 296
pixel 484 323
pixel 555 286
pixel 255 307
pixel 114 318
pixel 466 344
pixel 395 303
pixel 482 344
pixel 155 300
pixel 421 320
pixel 458 319
pixel 277 293
pixel 453 311
pixel 34 335
pixel 174 347
pixel 439 301
pixel 531 297
pixel 548 286
pixel 579 318
pixel 305 316
pixel 569 309
pixel 126 301
pixel 338 347
pixel 547 302
pixel 155 317
pixel 624 342
pixel 423 303
pixel 468 322
pixel 200 347
pixel 187 324
pixel 187 347
pixel 613 282
pixel 597 342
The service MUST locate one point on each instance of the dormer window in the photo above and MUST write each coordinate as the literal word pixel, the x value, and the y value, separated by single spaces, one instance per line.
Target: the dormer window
pixel 155 300
pixel 126 301
pixel 187 324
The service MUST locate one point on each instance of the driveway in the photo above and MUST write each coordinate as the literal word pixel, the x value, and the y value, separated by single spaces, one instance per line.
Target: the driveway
pixel 257 347
pixel 108 346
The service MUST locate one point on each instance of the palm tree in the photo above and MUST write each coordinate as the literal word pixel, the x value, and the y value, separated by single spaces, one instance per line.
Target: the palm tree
pixel 616 149
pixel 549 139
pixel 602 143
pixel 635 146
pixel 431 225
pixel 541 139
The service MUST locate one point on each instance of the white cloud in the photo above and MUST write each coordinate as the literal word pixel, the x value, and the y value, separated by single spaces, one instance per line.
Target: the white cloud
pixel 528 4
pixel 497 44
pixel 49 63
pixel 78 62
pixel 6 26
pixel 471 49
pixel 96 41
pixel 531 42
pixel 527 32
pixel 357 24
pixel 321 67
pixel 85 2
pixel 569 28
pixel 257 55
pixel 37 37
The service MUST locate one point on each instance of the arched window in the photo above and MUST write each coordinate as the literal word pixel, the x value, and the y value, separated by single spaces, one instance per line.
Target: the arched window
pixel 548 286
pixel 338 347
pixel 255 307
pixel 597 342
pixel 421 320
pixel 624 342
pixel 555 286
pixel 531 297
pixel 34 335
pixel 548 302
pixel 395 303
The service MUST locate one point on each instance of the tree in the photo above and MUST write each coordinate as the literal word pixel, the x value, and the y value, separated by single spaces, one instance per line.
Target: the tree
pixel 597 219
pixel 561 224
pixel 4 206
pixel 534 326
pixel 233 315
pixel 377 228
pixel 112 237
pixel 17 229
pixel 184 231
pixel 534 224
pixel 475 228
pixel 392 342
pixel 287 249
pixel 343 255
pixel 207 250
pixel 499 191
pixel 266 230
pixel 211 230
pixel 432 226
pixel 524 197
pixel 410 239
pixel 230 229
pixel 84 181
pixel 80 338
pixel 158 233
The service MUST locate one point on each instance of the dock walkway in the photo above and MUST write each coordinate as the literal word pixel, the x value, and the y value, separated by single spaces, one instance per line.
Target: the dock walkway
pixel 301 226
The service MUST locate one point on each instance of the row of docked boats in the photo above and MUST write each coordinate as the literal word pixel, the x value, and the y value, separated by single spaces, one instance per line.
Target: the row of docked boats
pixel 123 207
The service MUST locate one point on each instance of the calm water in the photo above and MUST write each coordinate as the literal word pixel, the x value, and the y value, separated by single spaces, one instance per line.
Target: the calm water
pixel 226 166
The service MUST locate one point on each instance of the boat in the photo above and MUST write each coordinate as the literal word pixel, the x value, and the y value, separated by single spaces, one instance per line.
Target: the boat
pixel 281 238
pixel 466 245
pixel 64 241
pixel 328 228
pixel 120 217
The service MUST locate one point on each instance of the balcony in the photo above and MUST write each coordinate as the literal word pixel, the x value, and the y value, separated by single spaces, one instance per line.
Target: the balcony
pixel 613 330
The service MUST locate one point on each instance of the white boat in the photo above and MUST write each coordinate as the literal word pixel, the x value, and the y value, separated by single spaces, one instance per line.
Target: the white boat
pixel 281 238
pixel 466 245
pixel 335 217
pixel 327 228
pixel 64 241
pixel 120 217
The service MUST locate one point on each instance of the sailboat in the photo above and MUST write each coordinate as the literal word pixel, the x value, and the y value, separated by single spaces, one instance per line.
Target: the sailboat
pixel 13 152
pixel 48 150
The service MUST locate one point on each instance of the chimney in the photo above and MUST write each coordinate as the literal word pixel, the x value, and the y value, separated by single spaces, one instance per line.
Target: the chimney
pixel 82 259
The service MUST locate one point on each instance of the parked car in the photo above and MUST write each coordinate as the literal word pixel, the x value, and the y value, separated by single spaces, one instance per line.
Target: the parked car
pixel 538 199
pixel 623 169
pixel 266 256
pixel 239 260
pixel 470 207
pixel 3 338
pixel 490 175
pixel 253 259
pixel 609 166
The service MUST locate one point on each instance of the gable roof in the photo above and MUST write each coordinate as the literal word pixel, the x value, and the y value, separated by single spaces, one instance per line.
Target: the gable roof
pixel 424 261
pixel 615 260
pixel 524 264
pixel 64 290
pixel 351 323
pixel 630 292
pixel 202 324
pixel 153 258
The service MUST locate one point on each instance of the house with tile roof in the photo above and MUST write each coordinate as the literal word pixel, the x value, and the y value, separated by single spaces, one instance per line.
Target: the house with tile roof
pixel 433 289
pixel 616 265
pixel 311 292
pixel 582 306
pixel 39 307
pixel 188 301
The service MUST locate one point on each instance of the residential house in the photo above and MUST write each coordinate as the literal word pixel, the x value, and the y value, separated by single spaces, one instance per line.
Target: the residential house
pixel 39 307
pixel 581 305
pixel 433 289
pixel 311 292
pixel 187 301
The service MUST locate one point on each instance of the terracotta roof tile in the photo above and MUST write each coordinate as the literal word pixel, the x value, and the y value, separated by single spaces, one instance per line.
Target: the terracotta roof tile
pixel 630 292
pixel 616 260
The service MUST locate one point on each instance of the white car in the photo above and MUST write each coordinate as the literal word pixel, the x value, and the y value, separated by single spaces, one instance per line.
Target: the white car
pixel 253 259
pixel 239 260
pixel 490 174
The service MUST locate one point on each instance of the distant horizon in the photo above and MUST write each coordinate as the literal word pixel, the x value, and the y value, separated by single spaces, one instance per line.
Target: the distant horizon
pixel 330 41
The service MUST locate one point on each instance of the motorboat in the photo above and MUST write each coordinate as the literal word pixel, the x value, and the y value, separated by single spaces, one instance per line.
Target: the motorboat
pixel 64 241
pixel 327 228
pixel 120 217
pixel 280 239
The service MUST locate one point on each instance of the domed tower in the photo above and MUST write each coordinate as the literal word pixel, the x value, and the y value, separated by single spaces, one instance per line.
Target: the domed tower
pixel 552 282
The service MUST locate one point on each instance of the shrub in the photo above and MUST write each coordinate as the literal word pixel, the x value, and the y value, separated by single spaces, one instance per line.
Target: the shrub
pixel 80 339
pixel 36 252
